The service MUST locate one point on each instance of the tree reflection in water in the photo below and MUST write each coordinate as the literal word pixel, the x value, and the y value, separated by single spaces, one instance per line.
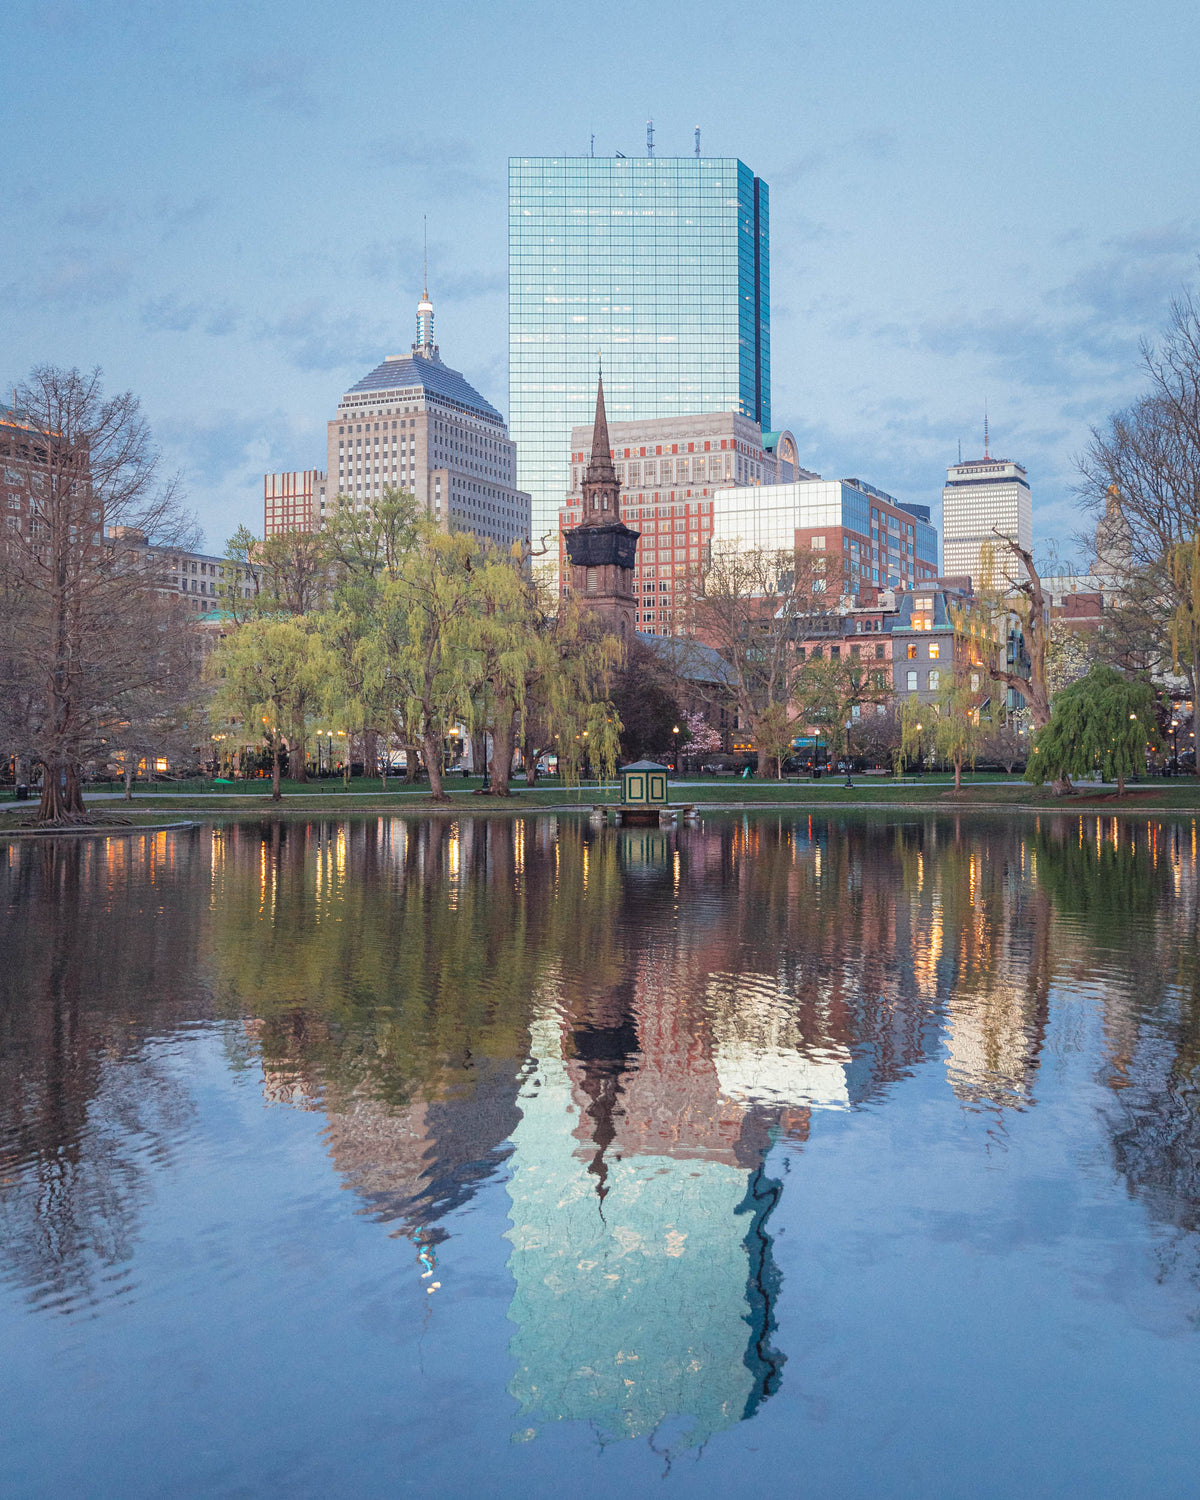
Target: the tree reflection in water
pixel 624 1021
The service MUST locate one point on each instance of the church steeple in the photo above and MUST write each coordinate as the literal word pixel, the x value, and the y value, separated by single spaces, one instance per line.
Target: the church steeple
pixel 601 489
pixel 602 550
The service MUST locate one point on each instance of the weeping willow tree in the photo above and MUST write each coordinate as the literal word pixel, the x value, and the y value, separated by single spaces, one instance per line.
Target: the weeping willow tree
pixel 1102 723
pixel 268 675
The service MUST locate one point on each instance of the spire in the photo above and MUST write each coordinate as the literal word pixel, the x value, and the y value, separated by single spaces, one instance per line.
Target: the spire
pixel 600 465
pixel 425 345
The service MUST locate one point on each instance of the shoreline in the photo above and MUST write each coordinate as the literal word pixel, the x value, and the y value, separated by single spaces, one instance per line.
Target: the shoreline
pixel 201 815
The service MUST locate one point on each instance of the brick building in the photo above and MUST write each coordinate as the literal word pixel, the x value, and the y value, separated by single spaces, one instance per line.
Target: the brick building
pixel 669 469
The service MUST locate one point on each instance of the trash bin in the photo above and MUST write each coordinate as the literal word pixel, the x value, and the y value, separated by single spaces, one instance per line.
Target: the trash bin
pixel 816 773
pixel 22 790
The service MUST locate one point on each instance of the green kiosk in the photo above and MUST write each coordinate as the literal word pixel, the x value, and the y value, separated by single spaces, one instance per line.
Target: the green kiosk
pixel 644 784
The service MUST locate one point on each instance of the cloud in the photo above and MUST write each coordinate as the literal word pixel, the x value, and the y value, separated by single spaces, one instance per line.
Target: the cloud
pixel 278 80
pixel 874 145
pixel 453 164
pixel 74 278
pixel 170 314
pixel 95 213
pixel 213 450
pixel 311 339
pixel 864 145
pixel 173 215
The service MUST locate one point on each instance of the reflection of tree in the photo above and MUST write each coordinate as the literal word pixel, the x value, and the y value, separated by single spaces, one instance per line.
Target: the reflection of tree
pixel 86 1103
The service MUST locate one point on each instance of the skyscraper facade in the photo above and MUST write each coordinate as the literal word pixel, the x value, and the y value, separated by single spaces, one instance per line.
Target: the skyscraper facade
pixel 660 264
pixel 982 497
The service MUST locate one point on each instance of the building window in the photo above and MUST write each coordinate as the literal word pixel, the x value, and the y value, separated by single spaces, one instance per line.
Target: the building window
pixel 935 680
pixel 935 650
pixel 912 651
pixel 912 682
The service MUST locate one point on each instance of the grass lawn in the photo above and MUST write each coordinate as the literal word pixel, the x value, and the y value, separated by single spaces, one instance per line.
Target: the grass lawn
pixel 1180 794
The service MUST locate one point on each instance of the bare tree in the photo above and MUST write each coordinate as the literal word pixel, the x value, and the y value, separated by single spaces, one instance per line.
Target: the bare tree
pixel 1141 477
pixel 754 605
pixel 81 467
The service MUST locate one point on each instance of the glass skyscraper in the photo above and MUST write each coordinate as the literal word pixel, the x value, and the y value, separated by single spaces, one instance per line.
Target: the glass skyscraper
pixel 661 266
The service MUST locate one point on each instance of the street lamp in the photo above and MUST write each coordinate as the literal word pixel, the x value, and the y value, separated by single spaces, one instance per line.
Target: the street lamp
pixel 675 732
pixel 920 758
pixel 849 772
pixel 1175 736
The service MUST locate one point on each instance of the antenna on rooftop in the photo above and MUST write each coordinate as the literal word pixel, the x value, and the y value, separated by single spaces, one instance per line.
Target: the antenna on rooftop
pixel 697 140
pixel 986 454
pixel 649 137
pixel 425 254
pixel 593 143
pixel 960 450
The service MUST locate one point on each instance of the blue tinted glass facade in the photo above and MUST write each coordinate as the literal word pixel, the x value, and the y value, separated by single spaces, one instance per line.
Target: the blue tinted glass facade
pixel 662 266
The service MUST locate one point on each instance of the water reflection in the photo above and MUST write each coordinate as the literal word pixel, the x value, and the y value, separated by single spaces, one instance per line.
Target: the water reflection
pixel 620 1025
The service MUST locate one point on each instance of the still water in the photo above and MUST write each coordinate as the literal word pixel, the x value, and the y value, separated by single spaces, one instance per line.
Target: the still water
pixel 807 1156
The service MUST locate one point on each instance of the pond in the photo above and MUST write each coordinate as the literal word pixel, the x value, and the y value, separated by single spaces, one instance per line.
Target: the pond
pixel 826 1155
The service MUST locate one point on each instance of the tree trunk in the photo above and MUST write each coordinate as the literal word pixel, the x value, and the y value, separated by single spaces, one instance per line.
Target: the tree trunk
pixel 275 792
pixel 128 779
pixel 297 759
pixel 370 752
pixel 1195 715
pixel 1120 783
pixel 957 774
pixel 763 766
pixel 431 746
pixel 503 739
pixel 530 755
pixel 62 800
pixel 411 756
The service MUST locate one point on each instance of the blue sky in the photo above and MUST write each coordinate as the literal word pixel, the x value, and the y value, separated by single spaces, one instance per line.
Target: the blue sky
pixel 221 206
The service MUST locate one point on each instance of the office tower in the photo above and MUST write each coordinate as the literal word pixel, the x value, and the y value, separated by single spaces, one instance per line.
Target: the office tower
pixel 669 468
pixel 659 264
pixel 870 539
pixel 412 424
pixel 982 497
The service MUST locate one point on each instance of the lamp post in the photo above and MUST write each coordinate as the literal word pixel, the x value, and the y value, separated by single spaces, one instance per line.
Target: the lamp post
pixel 849 770
pixel 920 758
pixel 1175 752
pixel 675 732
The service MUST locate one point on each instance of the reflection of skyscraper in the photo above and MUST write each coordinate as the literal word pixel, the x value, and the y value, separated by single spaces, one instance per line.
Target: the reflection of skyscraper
pixel 643 1297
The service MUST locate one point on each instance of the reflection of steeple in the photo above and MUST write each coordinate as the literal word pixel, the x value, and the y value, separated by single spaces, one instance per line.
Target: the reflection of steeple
pixel 603 1054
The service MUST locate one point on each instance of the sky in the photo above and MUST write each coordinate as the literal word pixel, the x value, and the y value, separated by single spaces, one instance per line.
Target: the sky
pixel 221 206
